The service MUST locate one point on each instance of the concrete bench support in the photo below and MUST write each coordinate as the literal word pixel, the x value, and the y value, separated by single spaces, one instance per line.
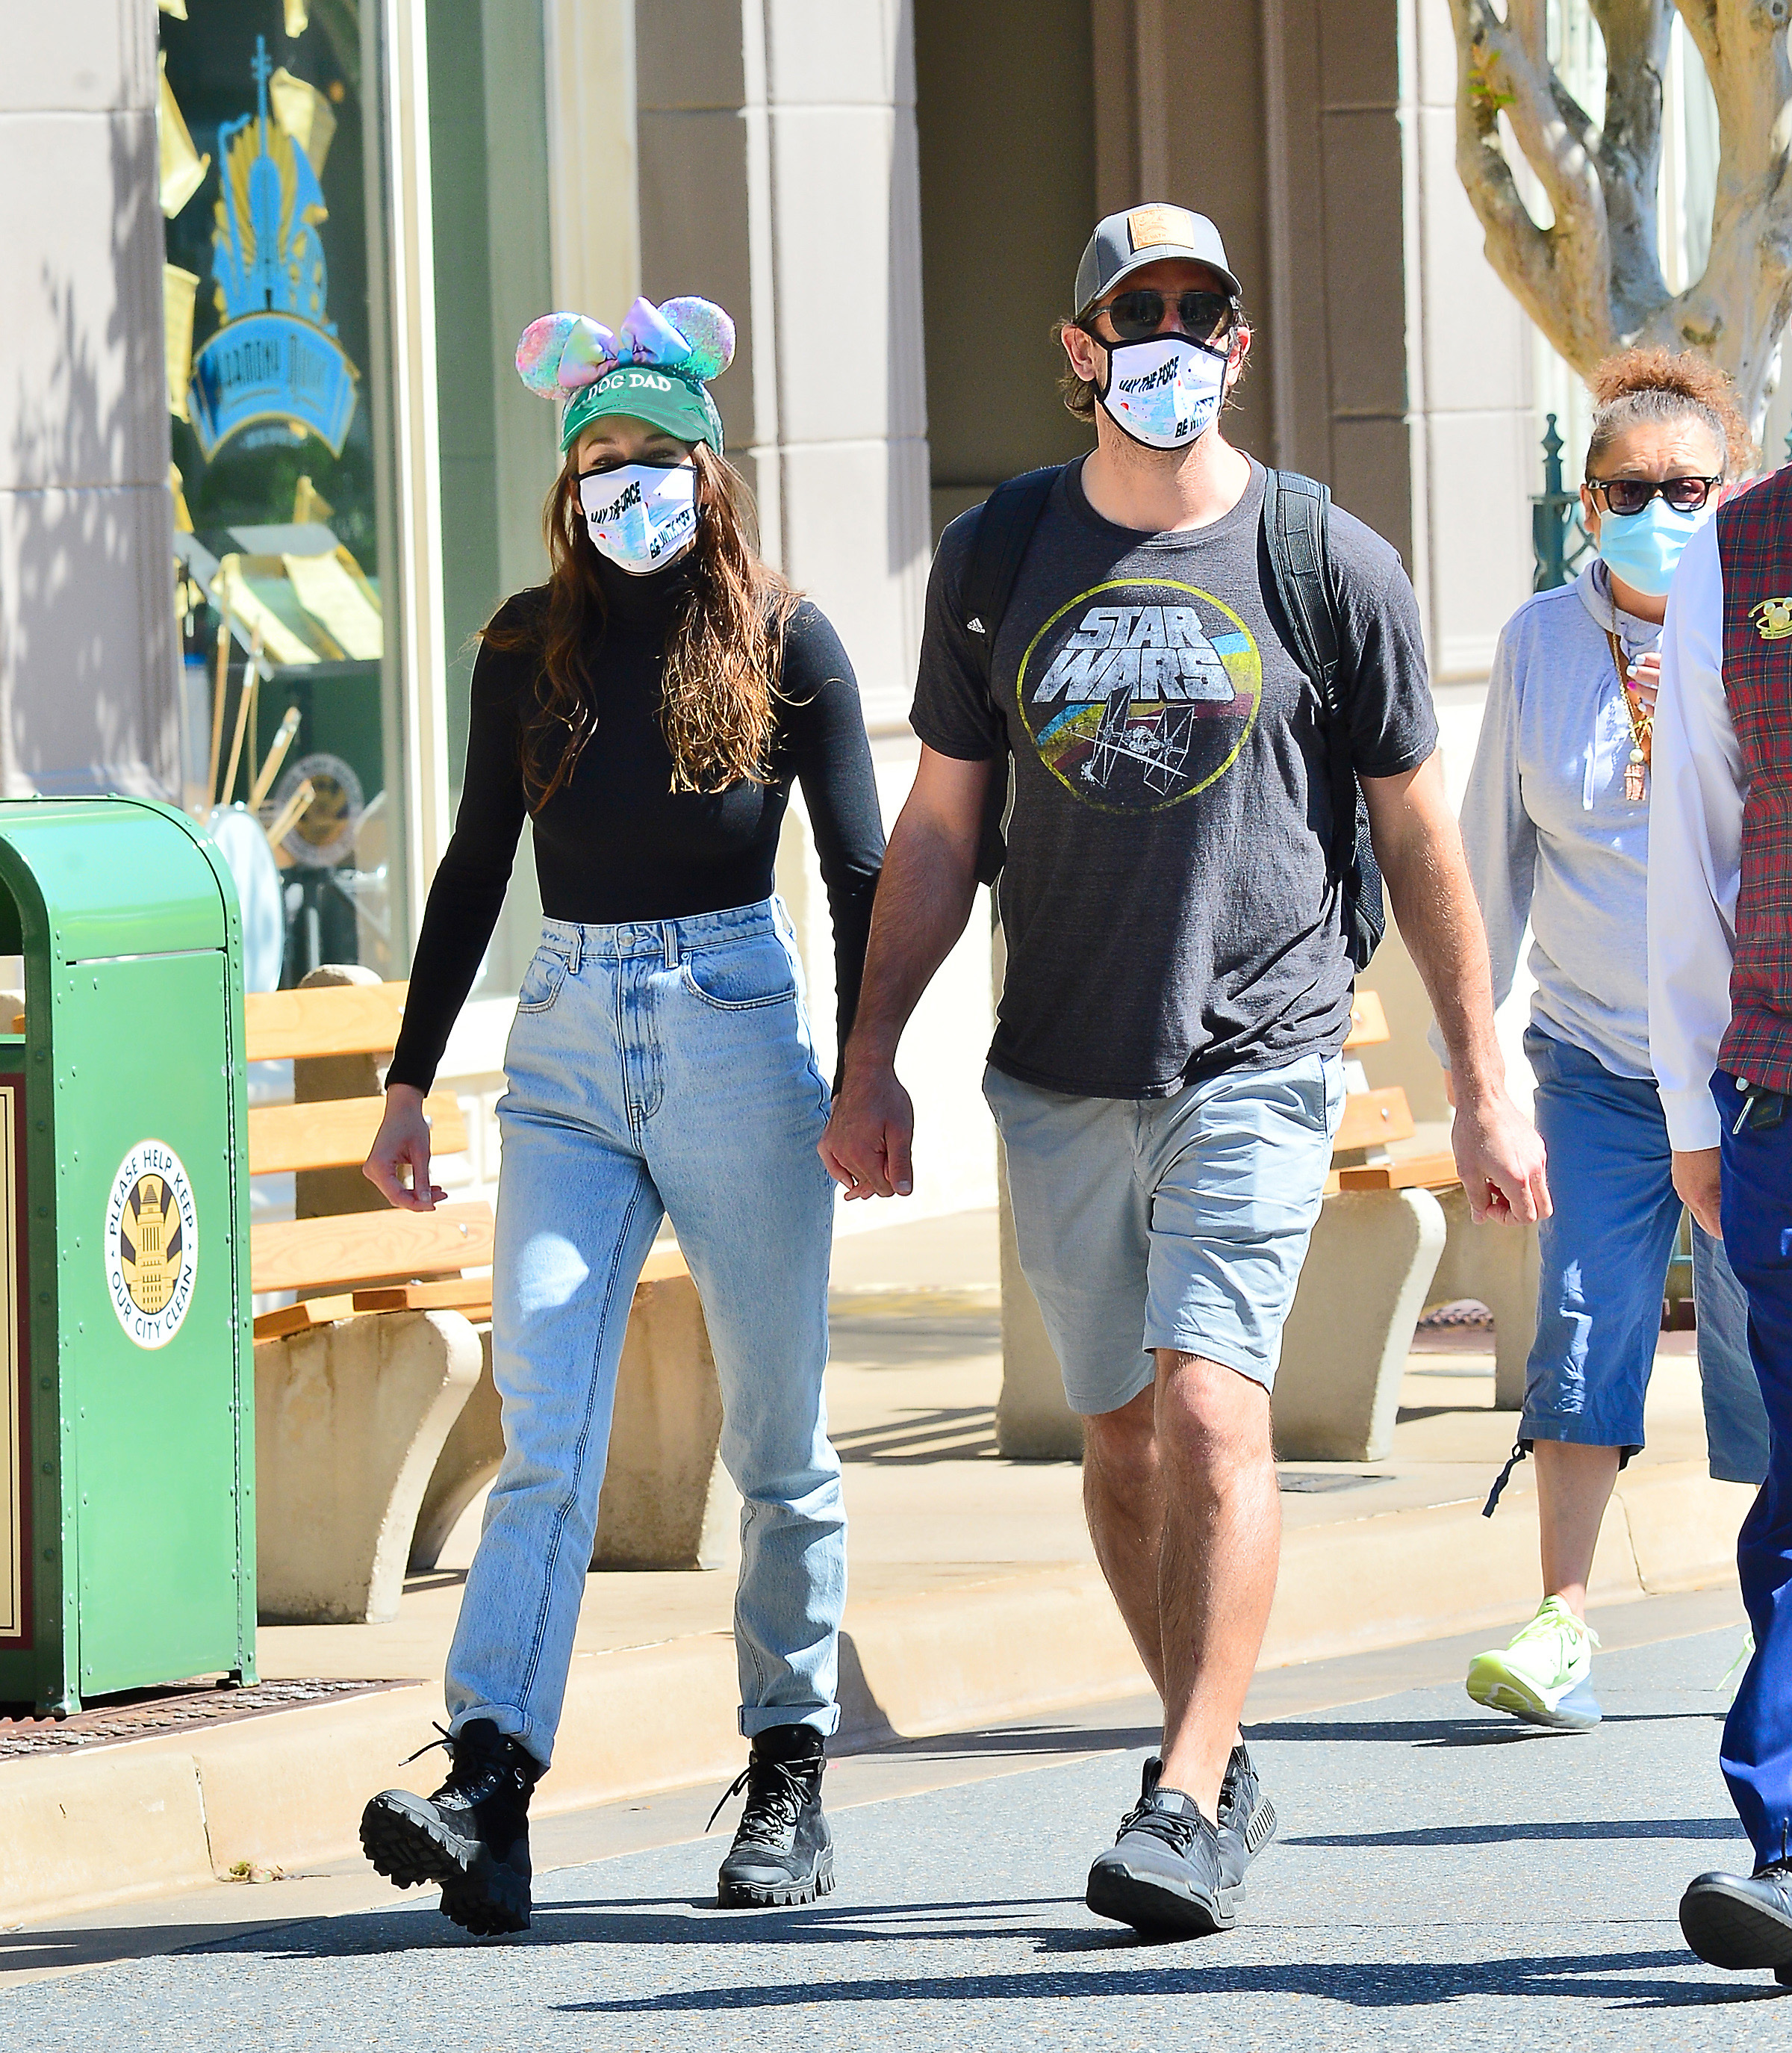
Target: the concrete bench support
pixel 1366 1279
pixel 667 1500
pixel 350 1419
pixel 1497 1264
pixel 1033 1422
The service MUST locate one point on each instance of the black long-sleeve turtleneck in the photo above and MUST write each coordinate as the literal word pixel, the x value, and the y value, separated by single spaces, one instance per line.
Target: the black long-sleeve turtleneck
pixel 615 843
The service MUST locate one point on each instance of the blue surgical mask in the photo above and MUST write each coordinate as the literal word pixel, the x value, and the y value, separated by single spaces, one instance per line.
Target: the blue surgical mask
pixel 1645 548
pixel 641 517
pixel 1164 391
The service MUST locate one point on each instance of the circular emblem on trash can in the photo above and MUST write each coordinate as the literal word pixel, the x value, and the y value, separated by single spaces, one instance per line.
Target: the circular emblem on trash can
pixel 152 1243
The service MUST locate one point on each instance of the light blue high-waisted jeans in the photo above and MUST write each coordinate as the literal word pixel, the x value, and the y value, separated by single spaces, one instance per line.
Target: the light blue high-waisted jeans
pixel 664 1068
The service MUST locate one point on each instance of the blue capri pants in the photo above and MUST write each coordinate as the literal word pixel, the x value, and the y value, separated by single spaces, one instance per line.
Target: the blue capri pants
pixel 1605 1253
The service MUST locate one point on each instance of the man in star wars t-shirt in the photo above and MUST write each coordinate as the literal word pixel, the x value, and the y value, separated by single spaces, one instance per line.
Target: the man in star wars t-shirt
pixel 1166 1071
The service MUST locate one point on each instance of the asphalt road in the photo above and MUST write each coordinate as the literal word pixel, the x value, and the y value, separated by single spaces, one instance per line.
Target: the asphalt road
pixel 1441 1877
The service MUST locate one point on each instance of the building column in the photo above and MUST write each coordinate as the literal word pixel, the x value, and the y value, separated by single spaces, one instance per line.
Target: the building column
pixel 89 679
pixel 778 176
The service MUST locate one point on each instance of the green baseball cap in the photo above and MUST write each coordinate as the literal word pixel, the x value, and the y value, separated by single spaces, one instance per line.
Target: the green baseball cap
pixel 667 398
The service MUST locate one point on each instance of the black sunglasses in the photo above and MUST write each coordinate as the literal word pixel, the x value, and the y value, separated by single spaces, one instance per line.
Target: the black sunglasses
pixel 1625 496
pixel 1139 314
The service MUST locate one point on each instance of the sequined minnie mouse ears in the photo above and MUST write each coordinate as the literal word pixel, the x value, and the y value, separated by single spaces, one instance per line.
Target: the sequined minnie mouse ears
pixel 656 366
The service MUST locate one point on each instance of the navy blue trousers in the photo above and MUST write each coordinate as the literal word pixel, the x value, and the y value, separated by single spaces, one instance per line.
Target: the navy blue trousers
pixel 1756 1753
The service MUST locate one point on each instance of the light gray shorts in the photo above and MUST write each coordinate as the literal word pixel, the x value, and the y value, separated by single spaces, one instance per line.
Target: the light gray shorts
pixel 1176 1222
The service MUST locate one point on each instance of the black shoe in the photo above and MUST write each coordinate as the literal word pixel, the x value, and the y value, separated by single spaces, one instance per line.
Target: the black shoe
pixel 472 1836
pixel 1741 1920
pixel 783 1851
pixel 1171 1871
pixel 1243 1809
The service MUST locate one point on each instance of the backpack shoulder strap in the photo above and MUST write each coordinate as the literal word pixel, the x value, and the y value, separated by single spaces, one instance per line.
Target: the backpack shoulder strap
pixel 1005 526
pixel 1297 526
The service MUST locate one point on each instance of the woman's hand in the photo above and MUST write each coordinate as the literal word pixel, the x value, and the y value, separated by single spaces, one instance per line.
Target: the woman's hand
pixel 1645 679
pixel 402 1144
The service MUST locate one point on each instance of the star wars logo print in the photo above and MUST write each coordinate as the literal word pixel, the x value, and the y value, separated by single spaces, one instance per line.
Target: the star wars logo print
pixel 152 1244
pixel 1140 693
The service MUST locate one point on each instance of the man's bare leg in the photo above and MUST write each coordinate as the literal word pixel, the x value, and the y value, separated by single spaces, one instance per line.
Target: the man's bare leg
pixel 1222 1523
pixel 1179 1487
pixel 1122 1500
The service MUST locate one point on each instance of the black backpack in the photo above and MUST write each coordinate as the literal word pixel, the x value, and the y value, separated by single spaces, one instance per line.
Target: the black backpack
pixel 1296 525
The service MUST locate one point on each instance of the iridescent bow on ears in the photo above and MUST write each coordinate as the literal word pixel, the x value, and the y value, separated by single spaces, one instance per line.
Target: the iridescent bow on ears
pixel 561 353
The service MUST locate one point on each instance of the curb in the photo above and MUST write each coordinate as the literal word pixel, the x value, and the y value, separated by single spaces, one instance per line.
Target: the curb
pixel 177 1810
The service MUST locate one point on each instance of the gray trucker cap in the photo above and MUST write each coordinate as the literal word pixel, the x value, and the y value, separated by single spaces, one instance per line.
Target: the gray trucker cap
pixel 1124 242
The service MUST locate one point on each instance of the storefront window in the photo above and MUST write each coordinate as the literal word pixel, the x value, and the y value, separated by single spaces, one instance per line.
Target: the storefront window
pixel 277 356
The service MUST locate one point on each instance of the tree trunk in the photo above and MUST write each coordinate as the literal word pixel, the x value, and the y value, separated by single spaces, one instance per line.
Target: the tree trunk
pixel 1593 281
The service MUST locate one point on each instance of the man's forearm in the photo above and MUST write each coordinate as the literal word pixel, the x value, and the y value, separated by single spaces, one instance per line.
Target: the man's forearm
pixel 923 900
pixel 1440 921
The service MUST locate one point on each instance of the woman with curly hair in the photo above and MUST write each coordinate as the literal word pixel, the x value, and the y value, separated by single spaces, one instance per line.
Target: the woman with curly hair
pixel 1556 825
pixel 648 710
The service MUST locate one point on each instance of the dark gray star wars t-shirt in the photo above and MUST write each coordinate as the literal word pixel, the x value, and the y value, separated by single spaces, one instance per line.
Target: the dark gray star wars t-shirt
pixel 1166 903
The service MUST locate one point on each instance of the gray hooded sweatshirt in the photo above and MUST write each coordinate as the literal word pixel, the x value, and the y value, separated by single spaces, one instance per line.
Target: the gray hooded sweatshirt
pixel 1551 836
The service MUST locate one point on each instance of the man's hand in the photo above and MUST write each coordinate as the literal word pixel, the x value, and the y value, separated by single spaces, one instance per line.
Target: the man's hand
pixel 1498 1154
pixel 1700 1186
pixel 870 1132
pixel 925 897
pixel 402 1144
pixel 1499 1158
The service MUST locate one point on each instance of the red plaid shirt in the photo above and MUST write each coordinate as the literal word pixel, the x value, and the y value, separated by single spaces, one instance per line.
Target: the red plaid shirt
pixel 1755 547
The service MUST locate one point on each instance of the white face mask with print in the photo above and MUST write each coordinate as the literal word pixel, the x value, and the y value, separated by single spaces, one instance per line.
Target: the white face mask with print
pixel 1164 391
pixel 641 517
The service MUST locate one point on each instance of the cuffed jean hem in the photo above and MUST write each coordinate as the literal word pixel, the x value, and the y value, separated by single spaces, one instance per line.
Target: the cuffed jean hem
pixel 764 1717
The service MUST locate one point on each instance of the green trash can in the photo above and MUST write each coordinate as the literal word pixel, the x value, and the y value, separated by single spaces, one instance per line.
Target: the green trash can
pixel 127 1435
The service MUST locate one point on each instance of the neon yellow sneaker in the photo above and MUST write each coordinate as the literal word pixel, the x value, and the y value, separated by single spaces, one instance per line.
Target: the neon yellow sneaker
pixel 1544 1676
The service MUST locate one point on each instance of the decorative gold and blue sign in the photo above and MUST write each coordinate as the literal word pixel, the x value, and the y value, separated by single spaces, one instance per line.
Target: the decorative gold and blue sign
pixel 276 357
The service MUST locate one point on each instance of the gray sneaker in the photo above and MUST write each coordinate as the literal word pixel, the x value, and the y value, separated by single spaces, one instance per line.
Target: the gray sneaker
pixel 1244 1808
pixel 1171 1870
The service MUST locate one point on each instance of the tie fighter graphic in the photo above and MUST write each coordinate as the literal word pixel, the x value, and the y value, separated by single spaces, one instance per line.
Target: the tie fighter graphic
pixel 1157 741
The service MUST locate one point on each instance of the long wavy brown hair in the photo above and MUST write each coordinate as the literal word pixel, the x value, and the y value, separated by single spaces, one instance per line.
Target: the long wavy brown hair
pixel 719 690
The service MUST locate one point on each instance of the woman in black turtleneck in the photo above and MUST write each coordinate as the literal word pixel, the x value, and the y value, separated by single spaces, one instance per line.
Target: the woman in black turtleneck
pixel 649 709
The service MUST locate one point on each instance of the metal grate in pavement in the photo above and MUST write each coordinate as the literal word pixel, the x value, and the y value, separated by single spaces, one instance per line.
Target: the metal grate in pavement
pixel 143 1713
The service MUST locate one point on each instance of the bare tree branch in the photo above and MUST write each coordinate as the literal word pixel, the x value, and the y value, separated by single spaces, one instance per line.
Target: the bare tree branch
pixel 1593 279
pixel 1629 150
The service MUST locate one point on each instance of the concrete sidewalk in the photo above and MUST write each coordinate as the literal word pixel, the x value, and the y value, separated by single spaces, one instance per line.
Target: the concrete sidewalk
pixel 974 1597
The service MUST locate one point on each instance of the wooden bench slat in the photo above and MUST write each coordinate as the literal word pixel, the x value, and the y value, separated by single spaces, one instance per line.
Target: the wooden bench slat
pixel 335 1019
pixel 1426 1173
pixel 301 1317
pixel 1372 1118
pixel 360 1247
pixel 1369 1024
pixel 337 1132
pixel 663 1264
pixel 471 1294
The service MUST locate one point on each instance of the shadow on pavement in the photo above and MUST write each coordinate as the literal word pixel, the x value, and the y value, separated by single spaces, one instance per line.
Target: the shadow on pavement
pixel 682 1922
pixel 1374 1985
pixel 1577 1828
pixel 1466 1731
pixel 1024 1739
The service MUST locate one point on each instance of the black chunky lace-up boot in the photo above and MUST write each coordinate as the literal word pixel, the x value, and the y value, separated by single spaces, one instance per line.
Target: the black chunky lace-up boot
pixel 472 1836
pixel 783 1851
